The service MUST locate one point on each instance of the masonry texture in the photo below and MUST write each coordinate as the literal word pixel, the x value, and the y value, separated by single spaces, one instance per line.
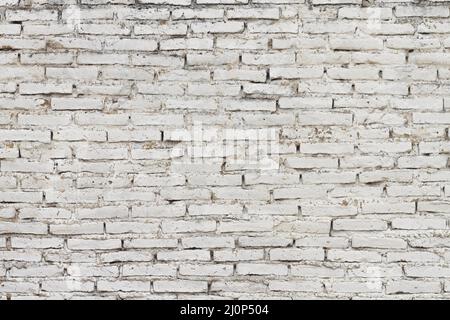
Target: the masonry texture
pixel 233 149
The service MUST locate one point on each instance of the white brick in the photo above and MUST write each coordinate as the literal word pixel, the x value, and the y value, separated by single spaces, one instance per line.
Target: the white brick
pixel 25 15
pixel 329 177
pixel 274 209
pixel 419 223
pixel 244 226
pixel 268 59
pixel 126 256
pixel 19 287
pixel 23 228
pixel 321 227
pixel 238 255
pixel 261 269
pixel 208 242
pixel 147 60
pixel 67 285
pixel 83 270
pixel 295 286
pixel 319 272
pixel 359 224
pixel 253 13
pixel 131 227
pixel 423 162
pixel 73 43
pixel 101 119
pixel 44 213
pixel 354 287
pixel 217 27
pixel 21 103
pixel 151 243
pixel 322 241
pixel 427 272
pixel 13 44
pixel 328 210
pixel 7 213
pixel 39 243
pixel 79 135
pixel 47 58
pixel 383 243
pixel 85 228
pixel 428 242
pixel 390 176
pixel 187 44
pixel 177 193
pixel 102 58
pixel 123 286
pixel 38 271
pixel 364 13
pixel 130 195
pixel 207 270
pixel 296 73
pixel 353 256
pixel 311 162
pixel 388 207
pixel 264 242
pixel 26 197
pixel 180 286
pixel 212 59
pixel 296 254
pixel 176 210
pixel 238 286
pixel 149 270
pixel 417 256
pixel 300 192
pixel 188 226
pixel 185 255
pixel 130 44
pixel 326 148
pixel 85 244
pixel 311 119
pixel 102 154
pixel 76 104
pixel 167 29
pixel 103 29
pixel 142 14
pixel 328 27
pixel 412 286
pixel 231 193
pixel 21 255
pixel 37 120
pixel 23 165
pixel 242 43
pixel 206 13
pixel 216 209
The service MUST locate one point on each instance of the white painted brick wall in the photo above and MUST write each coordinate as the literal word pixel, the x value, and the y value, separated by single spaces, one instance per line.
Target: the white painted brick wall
pixel 225 149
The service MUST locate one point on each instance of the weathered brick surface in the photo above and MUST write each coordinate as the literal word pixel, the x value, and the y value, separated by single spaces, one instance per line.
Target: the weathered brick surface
pixel 128 134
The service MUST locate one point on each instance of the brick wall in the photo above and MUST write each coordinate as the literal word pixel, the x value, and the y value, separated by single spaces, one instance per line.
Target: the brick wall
pixel 224 149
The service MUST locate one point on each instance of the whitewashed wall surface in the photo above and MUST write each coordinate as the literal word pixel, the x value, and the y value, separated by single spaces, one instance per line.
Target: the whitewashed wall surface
pixel 224 149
